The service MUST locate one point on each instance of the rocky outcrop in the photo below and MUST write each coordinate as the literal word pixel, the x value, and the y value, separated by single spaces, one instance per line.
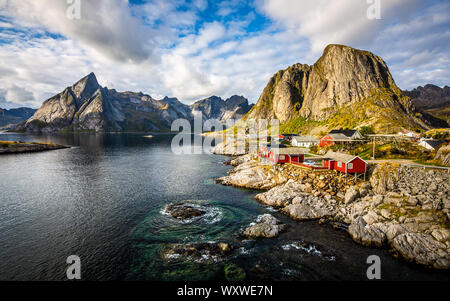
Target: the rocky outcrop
pixel 366 234
pixel 185 211
pixel 252 174
pixel 404 208
pixel 197 252
pixel 443 155
pixel 231 147
pixel 422 249
pixel 305 207
pixel 345 86
pixel 27 147
pixel 266 226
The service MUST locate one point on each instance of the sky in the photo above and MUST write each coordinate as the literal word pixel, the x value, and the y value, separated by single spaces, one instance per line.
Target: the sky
pixel 193 49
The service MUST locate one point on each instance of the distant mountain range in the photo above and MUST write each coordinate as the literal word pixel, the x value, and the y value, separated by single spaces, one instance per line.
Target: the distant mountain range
pixel 86 106
pixel 432 99
pixel 14 116
pixel 347 88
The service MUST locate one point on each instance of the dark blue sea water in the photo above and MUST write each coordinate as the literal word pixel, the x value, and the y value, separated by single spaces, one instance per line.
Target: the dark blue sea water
pixel 102 200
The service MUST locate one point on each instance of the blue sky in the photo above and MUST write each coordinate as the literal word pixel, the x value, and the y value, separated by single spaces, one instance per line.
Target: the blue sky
pixel 193 49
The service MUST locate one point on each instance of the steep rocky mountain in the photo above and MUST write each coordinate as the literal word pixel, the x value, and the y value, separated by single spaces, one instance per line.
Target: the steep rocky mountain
pixel 432 99
pixel 430 96
pixel 14 116
pixel 215 107
pixel 346 87
pixel 86 106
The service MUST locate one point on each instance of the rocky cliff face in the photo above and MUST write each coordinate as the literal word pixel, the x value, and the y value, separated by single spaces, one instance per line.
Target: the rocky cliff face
pixel 86 106
pixel 345 87
pixel 430 96
pixel 215 107
pixel 15 116
pixel 433 100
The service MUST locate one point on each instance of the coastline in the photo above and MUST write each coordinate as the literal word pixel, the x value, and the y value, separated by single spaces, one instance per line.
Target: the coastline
pixel 390 210
pixel 17 147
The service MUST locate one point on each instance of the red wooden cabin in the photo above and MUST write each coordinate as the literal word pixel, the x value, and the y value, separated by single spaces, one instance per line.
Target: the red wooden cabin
pixel 286 155
pixel 344 163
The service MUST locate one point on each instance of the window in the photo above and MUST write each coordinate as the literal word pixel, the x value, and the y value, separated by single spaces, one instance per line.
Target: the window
pixel 339 164
pixel 282 157
pixel 350 165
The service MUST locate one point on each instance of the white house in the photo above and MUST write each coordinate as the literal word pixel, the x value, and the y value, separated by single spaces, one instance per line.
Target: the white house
pixel 304 141
pixel 409 134
pixel 430 144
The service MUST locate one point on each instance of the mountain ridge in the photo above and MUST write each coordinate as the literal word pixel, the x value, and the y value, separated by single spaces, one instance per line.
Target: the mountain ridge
pixel 87 106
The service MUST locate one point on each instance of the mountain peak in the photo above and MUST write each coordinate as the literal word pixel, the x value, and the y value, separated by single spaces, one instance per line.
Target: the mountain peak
pixel 86 86
pixel 344 80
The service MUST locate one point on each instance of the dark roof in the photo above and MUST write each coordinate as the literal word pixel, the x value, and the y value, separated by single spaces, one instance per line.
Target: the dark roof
pixel 345 132
pixel 276 145
pixel 434 143
pixel 289 135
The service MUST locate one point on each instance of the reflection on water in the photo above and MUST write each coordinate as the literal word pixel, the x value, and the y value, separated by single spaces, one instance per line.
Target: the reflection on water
pixel 102 200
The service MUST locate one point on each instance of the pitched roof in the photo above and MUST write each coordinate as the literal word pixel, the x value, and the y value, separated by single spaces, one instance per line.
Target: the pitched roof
pixel 340 157
pixel 339 137
pixel 288 151
pixel 306 138
pixel 346 132
pixel 433 143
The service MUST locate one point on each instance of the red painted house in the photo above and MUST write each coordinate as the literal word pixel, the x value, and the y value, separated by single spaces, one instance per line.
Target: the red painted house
pixel 286 155
pixel 332 139
pixel 264 150
pixel 344 163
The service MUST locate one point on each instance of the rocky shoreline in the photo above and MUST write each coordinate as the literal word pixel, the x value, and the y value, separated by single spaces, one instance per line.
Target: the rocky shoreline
pixel 8 147
pixel 403 209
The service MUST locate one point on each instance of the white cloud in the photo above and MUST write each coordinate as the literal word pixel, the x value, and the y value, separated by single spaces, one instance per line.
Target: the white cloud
pixel 326 21
pixel 162 48
pixel 106 26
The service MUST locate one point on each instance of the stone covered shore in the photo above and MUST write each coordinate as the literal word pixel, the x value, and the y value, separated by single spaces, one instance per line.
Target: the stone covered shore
pixel 404 209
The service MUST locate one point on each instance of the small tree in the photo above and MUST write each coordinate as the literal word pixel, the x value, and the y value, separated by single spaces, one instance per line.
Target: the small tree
pixel 366 130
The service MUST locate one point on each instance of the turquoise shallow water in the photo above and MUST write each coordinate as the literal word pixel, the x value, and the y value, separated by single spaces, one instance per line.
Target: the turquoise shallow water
pixel 103 200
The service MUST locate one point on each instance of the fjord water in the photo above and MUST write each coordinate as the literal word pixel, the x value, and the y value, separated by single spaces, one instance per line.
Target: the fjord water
pixel 103 198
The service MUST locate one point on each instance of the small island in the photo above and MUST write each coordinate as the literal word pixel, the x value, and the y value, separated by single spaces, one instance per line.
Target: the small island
pixel 18 147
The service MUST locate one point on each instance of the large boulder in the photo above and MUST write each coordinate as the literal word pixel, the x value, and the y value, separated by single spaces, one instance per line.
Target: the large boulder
pixel 365 234
pixel 422 249
pixel 351 195
pixel 185 211
pixel 281 196
pixel 266 226
pixel 306 207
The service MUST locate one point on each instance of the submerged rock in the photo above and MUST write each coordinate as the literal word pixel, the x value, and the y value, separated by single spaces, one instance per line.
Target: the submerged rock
pixel 234 273
pixel 184 211
pixel 198 252
pixel 266 226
